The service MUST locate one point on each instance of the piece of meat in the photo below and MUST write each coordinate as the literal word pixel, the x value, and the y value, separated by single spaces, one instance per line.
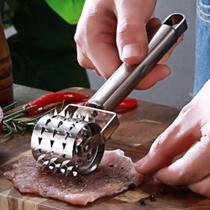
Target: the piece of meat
pixel 114 175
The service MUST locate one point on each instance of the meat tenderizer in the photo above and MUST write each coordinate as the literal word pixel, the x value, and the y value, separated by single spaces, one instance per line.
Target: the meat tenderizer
pixel 73 141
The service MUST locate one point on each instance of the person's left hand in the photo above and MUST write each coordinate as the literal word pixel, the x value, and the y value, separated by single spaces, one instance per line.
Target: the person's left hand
pixel 188 136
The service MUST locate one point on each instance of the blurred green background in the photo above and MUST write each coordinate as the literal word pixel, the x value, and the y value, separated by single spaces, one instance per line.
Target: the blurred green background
pixel 43 51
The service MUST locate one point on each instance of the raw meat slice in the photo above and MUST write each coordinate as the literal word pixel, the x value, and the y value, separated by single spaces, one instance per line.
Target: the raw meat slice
pixel 114 175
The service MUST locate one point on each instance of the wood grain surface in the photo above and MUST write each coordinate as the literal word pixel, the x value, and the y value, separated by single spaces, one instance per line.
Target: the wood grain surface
pixel 138 129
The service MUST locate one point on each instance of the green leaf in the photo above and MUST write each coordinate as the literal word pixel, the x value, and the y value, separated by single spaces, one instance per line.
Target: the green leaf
pixel 69 10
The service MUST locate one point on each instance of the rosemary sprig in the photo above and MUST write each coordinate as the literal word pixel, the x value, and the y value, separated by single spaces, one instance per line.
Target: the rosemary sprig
pixel 9 107
pixel 17 114
pixel 17 125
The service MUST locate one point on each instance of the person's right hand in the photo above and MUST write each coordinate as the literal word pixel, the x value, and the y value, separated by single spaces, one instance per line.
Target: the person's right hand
pixel 110 32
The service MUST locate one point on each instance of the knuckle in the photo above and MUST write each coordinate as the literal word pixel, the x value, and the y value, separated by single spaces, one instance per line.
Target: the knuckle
pixel 205 130
pixel 80 36
pixel 127 28
pixel 205 141
pixel 132 33
pixel 186 108
pixel 82 61
pixel 158 144
pixel 162 141
pixel 181 177
pixel 124 26
pixel 77 38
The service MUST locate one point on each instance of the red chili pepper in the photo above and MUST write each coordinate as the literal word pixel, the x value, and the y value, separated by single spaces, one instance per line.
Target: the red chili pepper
pixel 51 98
pixel 128 103
pixel 84 103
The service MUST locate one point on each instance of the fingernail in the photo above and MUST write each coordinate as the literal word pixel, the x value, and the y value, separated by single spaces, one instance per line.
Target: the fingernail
pixel 132 53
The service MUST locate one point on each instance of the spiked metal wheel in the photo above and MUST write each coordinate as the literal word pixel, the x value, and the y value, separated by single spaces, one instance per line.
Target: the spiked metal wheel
pixel 70 142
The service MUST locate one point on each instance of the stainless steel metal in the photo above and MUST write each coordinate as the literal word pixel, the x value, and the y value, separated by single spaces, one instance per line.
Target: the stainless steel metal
pixel 73 140
pixel 125 79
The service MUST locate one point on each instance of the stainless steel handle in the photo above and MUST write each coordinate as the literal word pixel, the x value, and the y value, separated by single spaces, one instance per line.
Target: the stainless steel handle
pixel 126 77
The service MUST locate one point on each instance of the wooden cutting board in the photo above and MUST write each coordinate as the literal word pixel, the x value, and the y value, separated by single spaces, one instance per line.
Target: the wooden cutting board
pixel 138 129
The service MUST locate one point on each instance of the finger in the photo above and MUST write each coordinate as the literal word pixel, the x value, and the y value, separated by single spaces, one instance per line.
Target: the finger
pixel 201 187
pixel 102 47
pixel 175 140
pixel 158 73
pixel 166 57
pixel 152 27
pixel 192 167
pixel 83 60
pixel 205 130
pixel 131 37
pixel 100 42
pixel 106 59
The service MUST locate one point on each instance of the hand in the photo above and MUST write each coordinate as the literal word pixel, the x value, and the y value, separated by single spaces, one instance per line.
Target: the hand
pixel 189 138
pixel 114 31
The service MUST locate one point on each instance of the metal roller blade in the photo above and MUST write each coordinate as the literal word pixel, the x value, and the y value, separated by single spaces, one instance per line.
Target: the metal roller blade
pixel 72 142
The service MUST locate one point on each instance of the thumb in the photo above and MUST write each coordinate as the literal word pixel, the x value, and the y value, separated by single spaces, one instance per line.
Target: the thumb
pixel 132 41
